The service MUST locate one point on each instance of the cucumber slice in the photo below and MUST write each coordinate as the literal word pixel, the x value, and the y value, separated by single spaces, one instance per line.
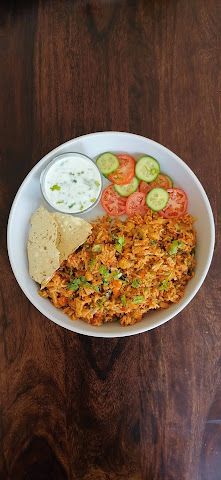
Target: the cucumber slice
pixel 157 199
pixel 126 190
pixel 107 163
pixel 147 168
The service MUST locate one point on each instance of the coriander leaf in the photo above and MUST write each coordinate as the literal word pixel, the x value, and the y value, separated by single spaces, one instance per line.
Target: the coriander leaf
pixel 55 187
pixel 123 300
pixel 135 283
pixel 104 272
pixel 96 288
pixel 164 285
pixel 82 279
pixel 175 245
pixel 74 285
pixel 138 299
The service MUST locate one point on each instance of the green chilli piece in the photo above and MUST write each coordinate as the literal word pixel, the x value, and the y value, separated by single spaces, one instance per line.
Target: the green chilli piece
pixel 126 190
pixel 107 163
pixel 147 168
pixel 157 199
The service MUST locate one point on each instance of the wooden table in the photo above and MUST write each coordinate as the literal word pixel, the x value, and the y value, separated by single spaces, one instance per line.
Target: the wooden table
pixel 146 407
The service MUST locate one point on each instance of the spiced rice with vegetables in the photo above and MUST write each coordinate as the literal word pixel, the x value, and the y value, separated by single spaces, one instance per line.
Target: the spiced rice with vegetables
pixel 125 269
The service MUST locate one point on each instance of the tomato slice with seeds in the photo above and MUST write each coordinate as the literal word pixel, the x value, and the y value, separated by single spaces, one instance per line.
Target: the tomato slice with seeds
pixel 136 204
pixel 125 172
pixel 176 205
pixel 144 187
pixel 113 203
pixel 162 181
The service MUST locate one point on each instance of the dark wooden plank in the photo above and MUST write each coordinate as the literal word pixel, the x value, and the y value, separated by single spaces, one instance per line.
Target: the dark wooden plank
pixel 137 408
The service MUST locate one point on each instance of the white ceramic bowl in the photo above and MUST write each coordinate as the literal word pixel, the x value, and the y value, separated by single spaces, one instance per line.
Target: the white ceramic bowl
pixel 29 197
pixel 72 156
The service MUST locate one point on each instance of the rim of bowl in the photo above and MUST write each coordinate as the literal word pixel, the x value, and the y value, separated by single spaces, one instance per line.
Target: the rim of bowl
pixel 47 168
pixel 137 328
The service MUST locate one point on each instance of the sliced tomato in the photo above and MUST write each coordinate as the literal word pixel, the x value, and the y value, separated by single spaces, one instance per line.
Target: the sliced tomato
pixel 162 181
pixel 125 172
pixel 176 205
pixel 144 187
pixel 113 203
pixel 136 203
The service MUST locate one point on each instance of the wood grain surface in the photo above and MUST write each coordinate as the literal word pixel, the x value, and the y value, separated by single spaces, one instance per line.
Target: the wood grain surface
pixel 140 408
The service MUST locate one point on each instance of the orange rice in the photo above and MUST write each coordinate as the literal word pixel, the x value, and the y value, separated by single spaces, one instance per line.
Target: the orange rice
pixel 125 269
